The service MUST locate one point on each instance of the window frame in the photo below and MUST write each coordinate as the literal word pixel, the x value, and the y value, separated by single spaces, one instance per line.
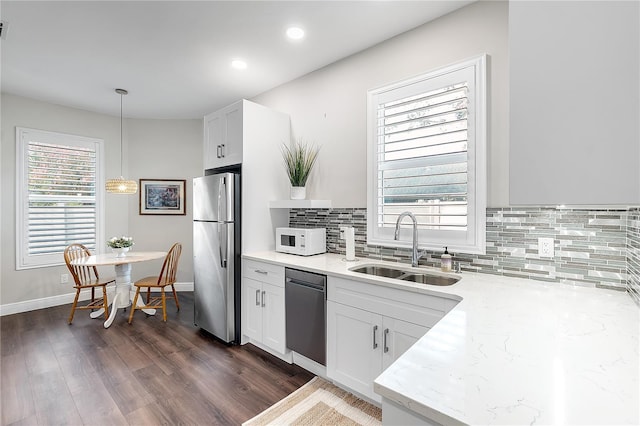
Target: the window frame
pixel 472 241
pixel 23 259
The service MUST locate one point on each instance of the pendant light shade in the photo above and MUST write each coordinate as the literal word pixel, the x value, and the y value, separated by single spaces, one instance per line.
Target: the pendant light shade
pixel 121 185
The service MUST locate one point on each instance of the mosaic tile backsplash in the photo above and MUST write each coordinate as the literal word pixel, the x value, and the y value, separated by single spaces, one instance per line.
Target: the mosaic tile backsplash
pixel 596 248
pixel 633 254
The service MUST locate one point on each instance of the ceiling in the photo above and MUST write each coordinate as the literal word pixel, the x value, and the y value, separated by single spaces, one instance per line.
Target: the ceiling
pixel 174 56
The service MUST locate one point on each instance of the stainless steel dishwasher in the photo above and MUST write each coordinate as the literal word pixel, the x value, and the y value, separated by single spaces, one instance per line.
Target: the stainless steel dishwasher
pixel 306 313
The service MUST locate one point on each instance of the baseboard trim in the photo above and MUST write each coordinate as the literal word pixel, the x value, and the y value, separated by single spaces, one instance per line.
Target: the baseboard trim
pixel 62 299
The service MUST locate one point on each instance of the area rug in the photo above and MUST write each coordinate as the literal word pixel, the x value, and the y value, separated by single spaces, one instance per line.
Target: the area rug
pixel 319 403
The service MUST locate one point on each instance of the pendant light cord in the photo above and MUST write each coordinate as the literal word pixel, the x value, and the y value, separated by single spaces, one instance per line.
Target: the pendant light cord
pixel 121 92
pixel 121 135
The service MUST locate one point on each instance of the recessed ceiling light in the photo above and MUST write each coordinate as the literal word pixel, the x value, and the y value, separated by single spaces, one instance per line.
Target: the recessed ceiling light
pixel 295 33
pixel 239 64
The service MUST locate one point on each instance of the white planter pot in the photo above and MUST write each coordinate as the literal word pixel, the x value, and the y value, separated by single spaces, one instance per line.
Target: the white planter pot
pixel 298 192
pixel 121 252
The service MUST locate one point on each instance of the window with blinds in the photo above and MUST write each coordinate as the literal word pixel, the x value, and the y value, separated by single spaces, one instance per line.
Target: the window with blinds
pixel 59 195
pixel 426 149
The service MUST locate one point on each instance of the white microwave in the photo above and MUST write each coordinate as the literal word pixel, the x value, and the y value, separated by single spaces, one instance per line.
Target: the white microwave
pixel 301 241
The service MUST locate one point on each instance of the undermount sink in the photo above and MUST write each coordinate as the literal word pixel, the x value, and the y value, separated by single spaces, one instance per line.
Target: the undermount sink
pixel 379 271
pixel 431 279
pixel 407 275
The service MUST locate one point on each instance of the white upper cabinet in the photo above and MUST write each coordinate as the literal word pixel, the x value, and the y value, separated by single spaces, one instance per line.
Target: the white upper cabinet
pixel 223 137
pixel 250 134
pixel 574 103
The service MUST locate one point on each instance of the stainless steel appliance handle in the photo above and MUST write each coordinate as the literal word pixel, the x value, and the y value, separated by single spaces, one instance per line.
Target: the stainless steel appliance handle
pixel 375 329
pixel 224 245
pixel 384 342
pixel 257 297
pixel 312 286
pixel 222 199
pixel 263 293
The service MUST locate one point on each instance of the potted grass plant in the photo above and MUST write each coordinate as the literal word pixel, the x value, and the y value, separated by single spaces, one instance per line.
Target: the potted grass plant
pixel 299 160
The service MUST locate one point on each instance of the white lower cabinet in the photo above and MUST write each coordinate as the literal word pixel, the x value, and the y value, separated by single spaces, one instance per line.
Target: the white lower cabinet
pixel 371 326
pixel 353 359
pixel 397 337
pixel 263 307
pixel 362 344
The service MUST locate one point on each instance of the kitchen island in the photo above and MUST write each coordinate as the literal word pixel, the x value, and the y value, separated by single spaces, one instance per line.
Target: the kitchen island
pixel 512 351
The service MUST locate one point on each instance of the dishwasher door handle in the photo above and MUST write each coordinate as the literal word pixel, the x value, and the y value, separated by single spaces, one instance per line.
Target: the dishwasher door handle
pixel 310 286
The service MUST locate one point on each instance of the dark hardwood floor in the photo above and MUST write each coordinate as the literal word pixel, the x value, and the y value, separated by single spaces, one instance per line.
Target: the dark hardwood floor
pixel 149 372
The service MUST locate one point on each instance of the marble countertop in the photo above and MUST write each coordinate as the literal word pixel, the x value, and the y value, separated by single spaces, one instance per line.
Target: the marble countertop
pixel 512 351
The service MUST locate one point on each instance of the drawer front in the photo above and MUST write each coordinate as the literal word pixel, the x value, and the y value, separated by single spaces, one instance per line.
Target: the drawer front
pixel 265 272
pixel 416 308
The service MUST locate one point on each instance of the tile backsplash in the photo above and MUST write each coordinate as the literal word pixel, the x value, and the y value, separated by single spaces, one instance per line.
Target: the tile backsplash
pixel 596 248
pixel 633 254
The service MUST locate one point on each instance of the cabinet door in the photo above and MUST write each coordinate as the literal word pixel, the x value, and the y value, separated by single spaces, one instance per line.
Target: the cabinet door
pixel 397 337
pixel 354 346
pixel 252 309
pixel 273 317
pixel 213 132
pixel 231 148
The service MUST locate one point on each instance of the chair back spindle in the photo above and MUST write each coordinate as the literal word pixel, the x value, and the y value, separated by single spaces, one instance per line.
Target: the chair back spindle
pixel 85 277
pixel 170 266
pixel 82 275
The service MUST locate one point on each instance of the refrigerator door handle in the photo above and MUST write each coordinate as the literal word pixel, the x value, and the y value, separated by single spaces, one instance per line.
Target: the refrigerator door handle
pixel 222 199
pixel 224 245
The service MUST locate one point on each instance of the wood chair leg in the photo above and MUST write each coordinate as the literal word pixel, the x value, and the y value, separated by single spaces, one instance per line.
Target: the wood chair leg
pixel 133 305
pixel 175 296
pixel 93 294
pixel 148 295
pixel 73 307
pixel 105 302
pixel 164 305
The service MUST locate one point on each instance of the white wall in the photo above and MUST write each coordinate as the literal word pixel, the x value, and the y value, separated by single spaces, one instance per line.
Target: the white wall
pixel 23 112
pixel 575 102
pixel 152 149
pixel 329 105
pixel 164 149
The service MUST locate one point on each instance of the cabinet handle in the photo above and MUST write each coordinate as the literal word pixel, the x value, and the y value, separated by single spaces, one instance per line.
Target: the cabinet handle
pixel 257 297
pixel 375 329
pixel 259 271
pixel 263 293
pixel 384 341
pixel 222 150
pixel 218 151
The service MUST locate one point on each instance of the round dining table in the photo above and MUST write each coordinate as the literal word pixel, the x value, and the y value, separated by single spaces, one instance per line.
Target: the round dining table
pixel 124 291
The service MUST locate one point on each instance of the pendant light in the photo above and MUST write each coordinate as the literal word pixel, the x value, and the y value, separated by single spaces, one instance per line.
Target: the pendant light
pixel 120 185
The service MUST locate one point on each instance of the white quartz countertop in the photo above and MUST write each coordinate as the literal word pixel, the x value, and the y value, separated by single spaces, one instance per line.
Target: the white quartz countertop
pixel 513 351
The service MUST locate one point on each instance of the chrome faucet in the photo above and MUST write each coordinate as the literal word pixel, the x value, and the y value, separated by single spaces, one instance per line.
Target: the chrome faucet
pixel 414 255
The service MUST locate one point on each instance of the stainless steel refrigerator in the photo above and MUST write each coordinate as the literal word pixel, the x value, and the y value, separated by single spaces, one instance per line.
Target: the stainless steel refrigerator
pixel 216 255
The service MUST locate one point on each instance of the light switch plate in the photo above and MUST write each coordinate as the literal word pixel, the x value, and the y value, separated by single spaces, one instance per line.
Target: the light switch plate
pixel 546 247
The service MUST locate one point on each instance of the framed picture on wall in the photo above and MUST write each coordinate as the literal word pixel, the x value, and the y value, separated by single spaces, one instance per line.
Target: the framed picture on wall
pixel 163 196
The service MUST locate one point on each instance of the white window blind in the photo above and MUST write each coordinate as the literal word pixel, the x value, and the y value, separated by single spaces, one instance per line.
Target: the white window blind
pixel 422 158
pixel 59 195
pixel 427 157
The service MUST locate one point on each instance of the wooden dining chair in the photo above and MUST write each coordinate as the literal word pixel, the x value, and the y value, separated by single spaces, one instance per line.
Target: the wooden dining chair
pixel 86 277
pixel 166 278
